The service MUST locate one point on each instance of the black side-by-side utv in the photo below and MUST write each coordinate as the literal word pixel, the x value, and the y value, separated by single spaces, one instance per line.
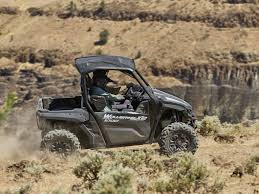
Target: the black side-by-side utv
pixel 68 124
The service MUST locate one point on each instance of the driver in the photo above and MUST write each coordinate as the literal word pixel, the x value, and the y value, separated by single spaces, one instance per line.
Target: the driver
pixel 100 81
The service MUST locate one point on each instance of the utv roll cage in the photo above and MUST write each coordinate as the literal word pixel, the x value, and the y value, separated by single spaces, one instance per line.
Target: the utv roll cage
pixel 89 64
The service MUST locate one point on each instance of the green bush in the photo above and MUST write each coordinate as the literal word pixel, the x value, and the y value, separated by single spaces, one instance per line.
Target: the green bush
pixel 102 6
pixel 138 55
pixel 72 8
pixel 25 189
pixel 99 52
pixel 187 175
pixel 8 105
pixel 217 186
pixel 210 125
pixel 143 184
pixel 162 184
pixel 89 168
pixel 155 166
pixel 103 37
pixel 250 166
pixel 116 181
pixel 34 169
pixel 133 158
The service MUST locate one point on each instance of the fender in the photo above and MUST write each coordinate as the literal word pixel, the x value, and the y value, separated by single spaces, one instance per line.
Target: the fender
pixel 174 106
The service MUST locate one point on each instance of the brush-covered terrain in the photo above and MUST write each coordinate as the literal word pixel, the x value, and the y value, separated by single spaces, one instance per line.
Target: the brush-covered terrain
pixel 227 161
pixel 204 51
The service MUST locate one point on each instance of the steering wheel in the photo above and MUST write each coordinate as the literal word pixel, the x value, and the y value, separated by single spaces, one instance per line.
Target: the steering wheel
pixel 134 92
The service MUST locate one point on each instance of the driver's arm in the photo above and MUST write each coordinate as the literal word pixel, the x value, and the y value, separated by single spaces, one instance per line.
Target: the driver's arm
pixel 112 97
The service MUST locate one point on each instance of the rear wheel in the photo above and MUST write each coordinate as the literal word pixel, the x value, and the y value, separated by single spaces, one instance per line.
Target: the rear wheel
pixel 60 141
pixel 178 137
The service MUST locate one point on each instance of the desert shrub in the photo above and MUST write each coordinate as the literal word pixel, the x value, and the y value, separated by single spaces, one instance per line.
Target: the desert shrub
pixel 246 128
pixel 9 10
pixel 187 175
pixel 210 125
pixel 138 55
pixel 133 158
pixel 89 168
pixel 162 184
pixel 116 181
pixel 99 52
pixel 103 37
pixel 25 189
pixel 250 166
pixel 255 158
pixel 102 6
pixel 30 169
pixel 72 8
pixel 58 192
pixel 155 166
pixel 35 11
pixel 34 169
pixel 217 186
pixel 142 184
pixel 8 105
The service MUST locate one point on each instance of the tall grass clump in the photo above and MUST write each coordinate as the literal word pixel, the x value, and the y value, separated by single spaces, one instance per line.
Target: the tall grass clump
pixel 8 105
pixel 250 166
pixel 89 168
pixel 133 158
pixel 188 175
pixel 210 125
pixel 117 180
pixel 103 37
pixel 72 8
pixel 102 6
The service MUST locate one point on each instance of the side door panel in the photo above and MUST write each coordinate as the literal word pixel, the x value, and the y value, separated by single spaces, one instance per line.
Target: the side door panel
pixel 125 127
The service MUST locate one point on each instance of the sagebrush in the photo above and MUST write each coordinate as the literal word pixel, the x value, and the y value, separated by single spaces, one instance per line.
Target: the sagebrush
pixel 89 168
pixel 117 180
pixel 8 105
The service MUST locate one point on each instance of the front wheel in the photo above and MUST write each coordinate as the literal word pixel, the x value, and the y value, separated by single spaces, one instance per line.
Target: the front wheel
pixel 178 137
pixel 60 141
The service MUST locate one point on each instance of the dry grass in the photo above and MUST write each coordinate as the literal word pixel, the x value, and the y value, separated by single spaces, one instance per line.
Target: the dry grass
pixel 117 172
pixel 250 166
pixel 227 132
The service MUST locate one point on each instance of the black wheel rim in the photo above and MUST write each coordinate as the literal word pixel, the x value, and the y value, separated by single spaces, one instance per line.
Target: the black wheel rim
pixel 179 142
pixel 61 147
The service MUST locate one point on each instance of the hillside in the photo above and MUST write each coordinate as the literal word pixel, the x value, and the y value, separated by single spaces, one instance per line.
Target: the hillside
pixel 205 51
pixel 209 47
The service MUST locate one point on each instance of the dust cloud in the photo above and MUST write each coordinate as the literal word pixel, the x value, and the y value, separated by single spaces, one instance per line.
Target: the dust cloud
pixel 19 136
